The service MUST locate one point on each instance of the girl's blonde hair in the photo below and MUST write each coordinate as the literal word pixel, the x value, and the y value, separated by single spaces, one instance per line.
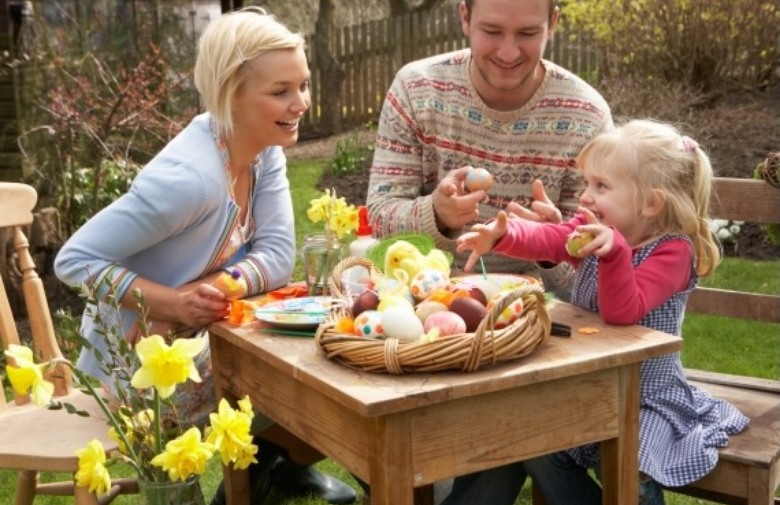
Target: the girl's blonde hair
pixel 227 43
pixel 662 163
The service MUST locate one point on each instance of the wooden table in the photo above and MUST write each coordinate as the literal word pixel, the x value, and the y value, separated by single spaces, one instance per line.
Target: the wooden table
pixel 405 431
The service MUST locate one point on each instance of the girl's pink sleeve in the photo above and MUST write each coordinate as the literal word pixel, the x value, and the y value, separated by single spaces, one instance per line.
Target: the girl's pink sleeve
pixel 537 241
pixel 627 294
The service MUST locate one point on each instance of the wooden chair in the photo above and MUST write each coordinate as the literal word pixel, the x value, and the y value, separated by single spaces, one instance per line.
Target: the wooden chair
pixel 35 439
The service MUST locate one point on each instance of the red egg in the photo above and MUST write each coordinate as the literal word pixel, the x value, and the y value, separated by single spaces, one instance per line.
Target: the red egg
pixel 470 310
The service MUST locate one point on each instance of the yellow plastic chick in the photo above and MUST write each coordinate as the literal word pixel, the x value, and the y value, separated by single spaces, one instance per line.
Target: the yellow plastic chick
pixel 402 255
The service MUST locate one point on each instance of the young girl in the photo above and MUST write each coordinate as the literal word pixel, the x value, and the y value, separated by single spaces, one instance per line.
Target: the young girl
pixel 646 205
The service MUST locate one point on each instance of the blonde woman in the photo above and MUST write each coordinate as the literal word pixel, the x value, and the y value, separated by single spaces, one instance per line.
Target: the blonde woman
pixel 216 197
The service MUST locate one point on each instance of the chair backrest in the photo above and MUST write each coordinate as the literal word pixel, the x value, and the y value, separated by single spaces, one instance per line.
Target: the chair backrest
pixel 16 205
pixel 741 200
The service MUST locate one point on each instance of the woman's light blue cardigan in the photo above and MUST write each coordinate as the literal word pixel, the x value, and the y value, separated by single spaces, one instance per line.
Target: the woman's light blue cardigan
pixel 173 225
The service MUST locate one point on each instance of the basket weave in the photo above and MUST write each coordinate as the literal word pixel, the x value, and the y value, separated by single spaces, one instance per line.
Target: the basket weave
pixel 466 351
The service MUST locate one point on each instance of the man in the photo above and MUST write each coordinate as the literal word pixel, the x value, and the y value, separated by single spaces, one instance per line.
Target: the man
pixel 496 105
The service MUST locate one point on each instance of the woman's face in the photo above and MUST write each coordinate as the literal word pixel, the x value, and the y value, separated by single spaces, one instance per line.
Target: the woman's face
pixel 271 100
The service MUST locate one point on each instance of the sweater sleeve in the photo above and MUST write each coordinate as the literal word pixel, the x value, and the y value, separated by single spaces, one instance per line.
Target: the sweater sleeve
pixel 271 257
pixel 531 240
pixel 628 293
pixel 396 200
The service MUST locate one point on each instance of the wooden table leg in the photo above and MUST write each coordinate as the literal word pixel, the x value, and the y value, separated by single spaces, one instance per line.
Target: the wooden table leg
pixel 620 457
pixel 390 461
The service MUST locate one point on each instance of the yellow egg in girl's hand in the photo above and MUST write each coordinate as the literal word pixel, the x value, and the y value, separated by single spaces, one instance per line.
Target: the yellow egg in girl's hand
pixel 577 241
pixel 232 285
pixel 478 178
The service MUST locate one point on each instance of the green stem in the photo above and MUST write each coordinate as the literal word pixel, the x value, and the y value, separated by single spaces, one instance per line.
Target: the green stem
pixel 156 405
pixel 112 419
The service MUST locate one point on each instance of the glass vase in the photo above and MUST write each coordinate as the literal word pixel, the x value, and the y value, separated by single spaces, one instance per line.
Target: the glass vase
pixel 320 253
pixel 180 492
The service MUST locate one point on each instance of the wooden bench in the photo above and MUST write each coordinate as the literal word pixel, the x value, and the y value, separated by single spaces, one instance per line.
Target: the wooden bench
pixel 748 471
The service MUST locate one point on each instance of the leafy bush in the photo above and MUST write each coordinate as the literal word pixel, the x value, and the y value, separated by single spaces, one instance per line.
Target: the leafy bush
pixel 349 155
pixel 699 42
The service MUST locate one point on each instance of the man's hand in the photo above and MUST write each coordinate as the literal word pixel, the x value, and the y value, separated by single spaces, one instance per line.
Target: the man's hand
pixel 481 239
pixel 542 208
pixel 452 205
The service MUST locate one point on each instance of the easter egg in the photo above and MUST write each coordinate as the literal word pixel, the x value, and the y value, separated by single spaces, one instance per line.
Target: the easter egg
pixel 510 314
pixel 470 310
pixel 577 241
pixel 428 307
pixel 426 282
pixel 369 324
pixel 400 322
pixel 232 285
pixel 447 322
pixel 478 178
pixel 367 300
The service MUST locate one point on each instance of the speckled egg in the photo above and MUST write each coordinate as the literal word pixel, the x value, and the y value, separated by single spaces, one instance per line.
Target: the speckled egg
pixel 478 178
pixel 510 314
pixel 400 322
pixel 369 324
pixel 448 323
pixel 426 282
pixel 428 307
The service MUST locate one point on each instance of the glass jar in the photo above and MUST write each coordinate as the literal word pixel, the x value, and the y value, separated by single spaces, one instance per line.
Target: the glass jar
pixel 320 253
pixel 180 492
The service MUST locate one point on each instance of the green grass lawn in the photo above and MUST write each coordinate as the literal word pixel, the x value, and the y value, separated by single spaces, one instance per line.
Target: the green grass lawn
pixel 711 343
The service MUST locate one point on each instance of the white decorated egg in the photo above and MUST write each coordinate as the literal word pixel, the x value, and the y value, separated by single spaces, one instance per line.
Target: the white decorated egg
pixel 401 322
pixel 369 324
pixel 426 282
pixel 510 314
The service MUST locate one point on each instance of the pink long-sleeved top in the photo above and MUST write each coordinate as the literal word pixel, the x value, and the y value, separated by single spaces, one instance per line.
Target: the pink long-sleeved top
pixel 626 293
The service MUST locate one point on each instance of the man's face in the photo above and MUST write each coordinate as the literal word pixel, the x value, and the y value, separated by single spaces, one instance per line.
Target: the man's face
pixel 507 39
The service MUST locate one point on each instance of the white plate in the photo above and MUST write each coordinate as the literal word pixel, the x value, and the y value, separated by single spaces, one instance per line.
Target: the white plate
pixel 495 283
pixel 295 313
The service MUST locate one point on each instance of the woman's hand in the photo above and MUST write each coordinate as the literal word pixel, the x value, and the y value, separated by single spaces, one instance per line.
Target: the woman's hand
pixel 542 210
pixel 481 239
pixel 452 205
pixel 201 305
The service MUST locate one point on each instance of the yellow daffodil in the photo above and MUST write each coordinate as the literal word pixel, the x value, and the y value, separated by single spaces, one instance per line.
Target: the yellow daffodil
pixel 184 456
pixel 139 423
pixel 229 433
pixel 92 472
pixel 26 376
pixel 164 366
pixel 338 217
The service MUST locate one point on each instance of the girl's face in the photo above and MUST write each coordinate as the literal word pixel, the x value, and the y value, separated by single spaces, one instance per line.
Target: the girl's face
pixel 271 100
pixel 507 40
pixel 614 201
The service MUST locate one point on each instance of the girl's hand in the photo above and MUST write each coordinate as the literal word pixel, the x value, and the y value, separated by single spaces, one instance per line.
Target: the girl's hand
pixel 542 210
pixel 481 239
pixel 603 236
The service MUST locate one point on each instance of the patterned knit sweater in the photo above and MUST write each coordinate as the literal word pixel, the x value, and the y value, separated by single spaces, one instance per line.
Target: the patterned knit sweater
pixel 434 121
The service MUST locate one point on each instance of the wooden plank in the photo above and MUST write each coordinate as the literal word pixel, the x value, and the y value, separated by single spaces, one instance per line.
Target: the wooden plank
pixel 738 304
pixel 741 381
pixel 745 200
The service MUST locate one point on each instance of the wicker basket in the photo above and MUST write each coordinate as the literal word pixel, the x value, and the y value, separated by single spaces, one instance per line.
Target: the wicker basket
pixel 466 352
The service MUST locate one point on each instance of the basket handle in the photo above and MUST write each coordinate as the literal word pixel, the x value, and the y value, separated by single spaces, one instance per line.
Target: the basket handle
pixel 534 290
pixel 335 285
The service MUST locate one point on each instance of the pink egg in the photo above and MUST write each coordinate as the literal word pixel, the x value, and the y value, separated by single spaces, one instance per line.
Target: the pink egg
pixel 510 314
pixel 448 323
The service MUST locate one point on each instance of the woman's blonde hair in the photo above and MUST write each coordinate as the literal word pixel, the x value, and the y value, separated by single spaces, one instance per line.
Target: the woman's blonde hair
pixel 662 163
pixel 227 43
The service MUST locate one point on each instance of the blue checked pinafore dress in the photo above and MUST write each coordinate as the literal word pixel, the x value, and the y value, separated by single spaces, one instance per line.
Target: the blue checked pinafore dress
pixel 680 426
